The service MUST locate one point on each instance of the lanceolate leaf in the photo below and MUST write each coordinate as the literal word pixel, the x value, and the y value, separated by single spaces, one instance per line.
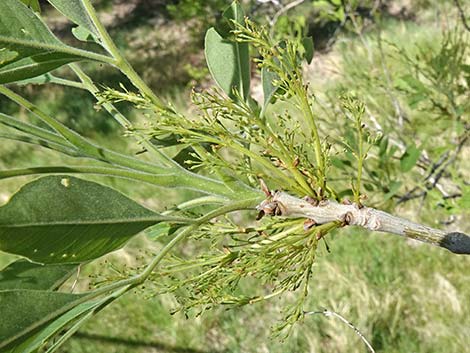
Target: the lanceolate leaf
pixel 33 66
pixel 269 89
pixel 60 219
pixel 69 319
pixel 24 311
pixel 81 33
pixel 229 61
pixel 393 189
pixel 307 42
pixel 34 4
pixel 37 49
pixel 39 80
pixel 75 11
pixel 409 158
pixel 36 341
pixel 234 12
pixel 23 274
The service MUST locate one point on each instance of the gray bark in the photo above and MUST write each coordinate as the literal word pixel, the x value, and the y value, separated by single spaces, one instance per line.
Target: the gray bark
pixel 285 205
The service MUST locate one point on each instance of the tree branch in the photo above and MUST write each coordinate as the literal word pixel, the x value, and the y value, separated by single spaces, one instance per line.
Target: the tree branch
pixel 282 204
pixel 329 313
pixel 283 10
pixel 462 15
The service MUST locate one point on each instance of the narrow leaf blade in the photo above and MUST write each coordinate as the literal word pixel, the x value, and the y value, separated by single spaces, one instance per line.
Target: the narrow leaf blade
pixel 28 310
pixel 35 342
pixel 75 11
pixel 37 49
pixel 307 43
pixel 409 159
pixel 34 66
pixel 23 274
pixel 33 4
pixel 70 320
pixel 267 78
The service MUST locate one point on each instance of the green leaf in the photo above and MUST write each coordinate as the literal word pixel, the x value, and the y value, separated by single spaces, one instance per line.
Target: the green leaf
pixel 38 80
pixel 410 83
pixel 393 189
pixel 38 50
pixel 340 163
pixel 234 12
pixel 383 146
pixel 307 43
pixel 158 231
pixel 34 4
pixel 7 55
pixel 409 158
pixel 38 340
pixel 414 99
pixel 464 201
pixel 33 66
pixel 27 310
pixel 166 141
pixel 267 78
pixel 228 61
pixel 75 11
pixel 23 274
pixel 81 33
pixel 69 322
pixel 60 219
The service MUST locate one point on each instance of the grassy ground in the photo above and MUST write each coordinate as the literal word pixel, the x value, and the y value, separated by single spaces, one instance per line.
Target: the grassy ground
pixel 403 296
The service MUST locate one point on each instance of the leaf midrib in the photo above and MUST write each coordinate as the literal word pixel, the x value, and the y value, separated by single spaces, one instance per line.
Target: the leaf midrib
pixel 31 65
pixel 80 299
pixel 62 48
pixel 98 222
pixel 239 64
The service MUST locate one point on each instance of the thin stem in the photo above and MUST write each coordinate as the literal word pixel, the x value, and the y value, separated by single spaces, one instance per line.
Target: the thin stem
pixel 178 178
pixel 269 166
pixel 329 313
pixel 462 15
pixel 189 266
pixel 88 84
pixel 163 179
pixel 121 61
pixel 71 136
pixel 360 161
pixel 276 237
pixel 79 323
pixel 201 201
pixel 70 331
pixel 280 12
pixel 140 278
pixel 41 142
pixel 79 141
pixel 65 82
pixel 33 130
pixel 236 206
pixel 286 157
pixel 307 110
pixel 267 297
pixel 231 144
pixel 59 48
